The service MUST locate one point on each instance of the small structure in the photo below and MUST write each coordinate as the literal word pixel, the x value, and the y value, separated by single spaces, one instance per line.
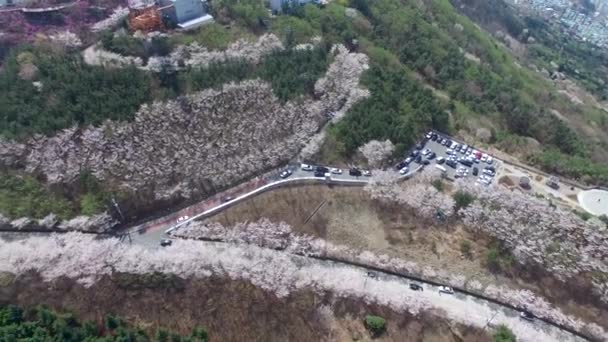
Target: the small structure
pixel 145 19
pixel 524 182
pixel 553 182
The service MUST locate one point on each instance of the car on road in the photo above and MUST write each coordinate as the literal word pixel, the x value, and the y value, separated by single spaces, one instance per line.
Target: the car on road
pixel 319 174
pixel 285 173
pixel 306 167
pixel 446 289
pixel 182 218
pixel 440 160
pixel 335 171
pixel 404 170
pixel 354 172
pixel 227 199
pixel 431 156
pixel 415 287
pixel 372 275
pixel 367 173
pixel 528 316
pixel 166 242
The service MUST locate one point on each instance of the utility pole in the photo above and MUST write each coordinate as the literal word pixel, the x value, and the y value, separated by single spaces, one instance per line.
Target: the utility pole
pixel 118 209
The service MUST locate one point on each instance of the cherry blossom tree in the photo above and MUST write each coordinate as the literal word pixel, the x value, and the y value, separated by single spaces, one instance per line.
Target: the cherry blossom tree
pixel 376 152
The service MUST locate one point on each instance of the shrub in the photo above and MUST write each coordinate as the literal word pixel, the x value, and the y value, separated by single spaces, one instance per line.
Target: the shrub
pixel 465 248
pixel 493 259
pixel 462 199
pixel 375 324
pixel 438 184
pixel 503 334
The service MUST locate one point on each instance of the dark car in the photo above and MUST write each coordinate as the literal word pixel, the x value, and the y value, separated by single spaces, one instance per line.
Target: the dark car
pixel 451 164
pixel 285 173
pixel 431 156
pixel 418 159
pixel 420 145
pixel 425 162
pixel 372 275
pixel 466 162
pixel 526 315
pixel 165 242
pixel 491 168
pixel 227 199
pixel 322 169
pixel 415 287
pixel 401 165
pixel 319 174
pixel 434 137
pixel 475 171
pixel 354 172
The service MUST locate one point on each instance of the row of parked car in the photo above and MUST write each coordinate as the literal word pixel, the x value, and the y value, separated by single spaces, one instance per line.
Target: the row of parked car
pixel 322 171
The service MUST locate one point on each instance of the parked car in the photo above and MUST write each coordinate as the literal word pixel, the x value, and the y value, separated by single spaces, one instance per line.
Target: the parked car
pixel 429 135
pixel 418 159
pixel 285 173
pixel 400 165
pixel 227 199
pixel 449 152
pixel 336 171
pixel 431 156
pixel 444 142
pixel 408 160
pixel 475 171
pixel 415 287
pixel 451 163
pixel 425 162
pixel 420 145
pixel 426 151
pixel 404 170
pixel 446 289
pixel 182 218
pixel 306 167
pixel 367 173
pixel 372 275
pixel 440 160
pixel 319 174
pixel 490 160
pixel 415 153
pixel 434 137
pixel 354 172
pixel 464 148
pixel 322 169
pixel 526 315
pixel 489 172
pixel 484 157
pixel 166 242
pixel 455 145
pixel 465 162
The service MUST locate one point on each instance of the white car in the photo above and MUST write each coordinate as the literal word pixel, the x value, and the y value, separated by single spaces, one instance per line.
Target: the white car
pixel 449 151
pixel 336 171
pixel 182 218
pixel 408 160
pixel 404 170
pixel 306 167
pixel 367 173
pixel 484 157
pixel 446 289
pixel 455 146
pixel 490 160
pixel 426 151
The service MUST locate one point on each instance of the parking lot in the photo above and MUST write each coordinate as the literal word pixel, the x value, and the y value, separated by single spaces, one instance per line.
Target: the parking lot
pixel 457 160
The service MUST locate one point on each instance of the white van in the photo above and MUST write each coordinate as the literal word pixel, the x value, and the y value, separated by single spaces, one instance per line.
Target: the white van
pixel 440 167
